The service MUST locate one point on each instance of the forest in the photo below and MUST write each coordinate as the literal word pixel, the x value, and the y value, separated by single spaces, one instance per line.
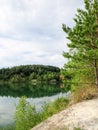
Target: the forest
pixel 32 73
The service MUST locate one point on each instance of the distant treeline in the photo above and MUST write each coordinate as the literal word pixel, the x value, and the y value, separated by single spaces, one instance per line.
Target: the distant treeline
pixel 32 73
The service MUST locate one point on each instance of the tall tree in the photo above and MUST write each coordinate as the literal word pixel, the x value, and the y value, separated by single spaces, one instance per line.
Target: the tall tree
pixel 83 45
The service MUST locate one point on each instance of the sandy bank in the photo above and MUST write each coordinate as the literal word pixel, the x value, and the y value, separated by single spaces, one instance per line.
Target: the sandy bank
pixel 83 115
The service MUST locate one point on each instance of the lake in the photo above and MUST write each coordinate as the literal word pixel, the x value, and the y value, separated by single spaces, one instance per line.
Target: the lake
pixel 36 95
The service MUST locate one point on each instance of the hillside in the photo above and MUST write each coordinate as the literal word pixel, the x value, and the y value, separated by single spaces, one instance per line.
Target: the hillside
pixel 82 115
pixel 29 73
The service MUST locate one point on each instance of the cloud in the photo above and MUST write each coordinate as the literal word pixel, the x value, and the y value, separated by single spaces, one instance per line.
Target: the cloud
pixel 25 17
pixel 23 52
pixel 31 31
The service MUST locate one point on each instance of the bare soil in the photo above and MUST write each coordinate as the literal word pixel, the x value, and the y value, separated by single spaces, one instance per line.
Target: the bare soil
pixel 82 115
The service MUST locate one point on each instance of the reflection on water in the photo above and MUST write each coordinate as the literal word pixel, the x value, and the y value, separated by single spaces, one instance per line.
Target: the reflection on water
pixel 37 95
pixel 7 106
pixel 30 90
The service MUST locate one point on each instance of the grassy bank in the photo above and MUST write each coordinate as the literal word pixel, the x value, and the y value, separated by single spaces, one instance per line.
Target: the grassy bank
pixel 85 92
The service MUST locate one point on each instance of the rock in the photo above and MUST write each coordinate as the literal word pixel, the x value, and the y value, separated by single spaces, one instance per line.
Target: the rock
pixel 82 115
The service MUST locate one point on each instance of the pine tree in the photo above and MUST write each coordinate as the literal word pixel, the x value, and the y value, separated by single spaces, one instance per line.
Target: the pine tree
pixel 83 46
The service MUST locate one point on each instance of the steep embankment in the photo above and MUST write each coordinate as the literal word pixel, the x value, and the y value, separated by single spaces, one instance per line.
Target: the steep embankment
pixel 83 115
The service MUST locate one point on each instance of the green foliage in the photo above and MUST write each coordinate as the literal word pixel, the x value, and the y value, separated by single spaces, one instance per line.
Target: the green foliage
pixel 28 73
pixel 29 89
pixel 27 117
pixel 12 127
pixel 82 66
pixel 60 104
pixel 17 79
pixel 48 109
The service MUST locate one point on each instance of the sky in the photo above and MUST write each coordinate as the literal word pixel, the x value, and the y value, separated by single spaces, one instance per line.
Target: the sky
pixel 31 31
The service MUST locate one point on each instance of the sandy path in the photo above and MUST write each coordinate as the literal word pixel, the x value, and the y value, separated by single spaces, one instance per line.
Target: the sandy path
pixel 83 115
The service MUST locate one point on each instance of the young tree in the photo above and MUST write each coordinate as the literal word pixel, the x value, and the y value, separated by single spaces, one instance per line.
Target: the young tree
pixel 25 115
pixel 83 46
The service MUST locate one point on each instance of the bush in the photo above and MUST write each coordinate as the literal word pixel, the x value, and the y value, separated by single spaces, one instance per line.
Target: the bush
pixel 27 117
pixel 60 103
pixel 50 109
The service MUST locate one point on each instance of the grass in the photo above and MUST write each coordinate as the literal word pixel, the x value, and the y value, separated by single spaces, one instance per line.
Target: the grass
pixel 84 93
pixel 50 109
pixel 77 129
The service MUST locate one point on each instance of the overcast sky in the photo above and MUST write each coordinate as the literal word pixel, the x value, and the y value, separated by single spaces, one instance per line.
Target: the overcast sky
pixel 31 31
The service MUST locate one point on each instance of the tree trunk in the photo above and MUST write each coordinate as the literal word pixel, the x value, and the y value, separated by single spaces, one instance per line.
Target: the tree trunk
pixel 96 73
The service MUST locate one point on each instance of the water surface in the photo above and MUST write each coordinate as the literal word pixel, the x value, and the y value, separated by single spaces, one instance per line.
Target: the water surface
pixel 36 95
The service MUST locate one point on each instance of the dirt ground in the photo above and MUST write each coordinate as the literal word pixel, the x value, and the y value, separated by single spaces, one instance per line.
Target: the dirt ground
pixel 82 115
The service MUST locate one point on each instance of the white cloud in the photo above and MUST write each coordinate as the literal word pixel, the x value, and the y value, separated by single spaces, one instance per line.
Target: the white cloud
pixel 31 31
pixel 23 52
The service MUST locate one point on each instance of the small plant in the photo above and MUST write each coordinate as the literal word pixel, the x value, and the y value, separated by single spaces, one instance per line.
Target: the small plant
pixel 50 109
pixel 60 103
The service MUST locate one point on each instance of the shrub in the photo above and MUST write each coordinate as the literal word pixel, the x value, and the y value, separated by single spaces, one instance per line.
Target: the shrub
pixel 60 103
pixel 50 109
pixel 25 116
